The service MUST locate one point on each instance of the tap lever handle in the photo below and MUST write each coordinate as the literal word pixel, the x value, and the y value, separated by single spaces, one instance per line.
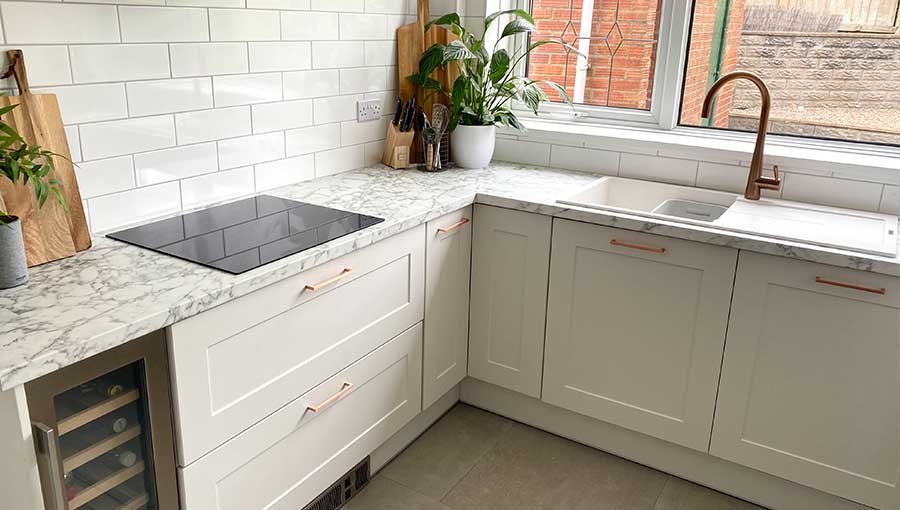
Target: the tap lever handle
pixel 770 182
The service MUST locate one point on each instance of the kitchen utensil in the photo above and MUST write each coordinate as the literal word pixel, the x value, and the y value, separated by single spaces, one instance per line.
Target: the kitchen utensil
pixel 406 124
pixel 398 111
pixel 440 118
pixel 50 232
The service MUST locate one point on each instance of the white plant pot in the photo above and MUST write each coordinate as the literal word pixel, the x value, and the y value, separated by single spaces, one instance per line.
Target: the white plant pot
pixel 472 146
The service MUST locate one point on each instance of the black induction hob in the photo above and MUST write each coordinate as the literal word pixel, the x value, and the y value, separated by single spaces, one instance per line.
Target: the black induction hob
pixel 245 234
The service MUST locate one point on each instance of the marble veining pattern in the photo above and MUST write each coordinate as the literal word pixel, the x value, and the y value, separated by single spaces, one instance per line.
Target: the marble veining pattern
pixel 113 293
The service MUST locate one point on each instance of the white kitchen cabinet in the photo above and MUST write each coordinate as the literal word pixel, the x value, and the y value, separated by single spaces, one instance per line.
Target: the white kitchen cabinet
pixel 289 458
pixel 635 329
pixel 448 254
pixel 236 364
pixel 510 262
pixel 810 378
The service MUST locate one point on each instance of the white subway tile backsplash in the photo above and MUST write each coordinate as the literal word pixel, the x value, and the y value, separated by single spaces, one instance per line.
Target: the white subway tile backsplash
pixel 49 23
pixel 243 25
pixel 247 89
pixel 203 126
pixel 176 163
pixel 654 168
pixel 211 188
pixel 373 152
pixel 163 24
pixel 586 160
pixel 834 192
pixel 89 103
pixel 338 5
pixel 363 79
pixel 312 139
pixel 283 172
pixel 386 6
pixel 335 109
pixel 120 137
pixel 249 150
pixel 119 62
pixel 300 5
pixel 47 66
pixel 74 142
pixel 309 26
pixel 207 3
pixel 380 53
pixel 201 59
pixel 169 96
pixel 282 115
pixel 363 26
pixel 722 177
pixel 339 160
pixel 105 176
pixel 353 133
pixel 522 152
pixel 890 200
pixel 279 56
pixel 336 54
pixel 307 84
pixel 119 209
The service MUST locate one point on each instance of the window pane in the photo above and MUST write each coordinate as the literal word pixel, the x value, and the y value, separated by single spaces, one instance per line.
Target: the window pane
pixel 832 66
pixel 619 39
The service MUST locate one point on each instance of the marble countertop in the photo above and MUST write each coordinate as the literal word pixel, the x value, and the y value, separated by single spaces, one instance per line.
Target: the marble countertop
pixel 103 297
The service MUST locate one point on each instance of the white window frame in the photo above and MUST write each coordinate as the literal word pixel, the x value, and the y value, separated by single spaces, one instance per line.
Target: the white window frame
pixel 665 108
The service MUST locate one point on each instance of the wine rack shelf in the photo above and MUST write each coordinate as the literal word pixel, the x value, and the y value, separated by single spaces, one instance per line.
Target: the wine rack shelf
pixel 92 452
pixel 105 485
pixel 90 414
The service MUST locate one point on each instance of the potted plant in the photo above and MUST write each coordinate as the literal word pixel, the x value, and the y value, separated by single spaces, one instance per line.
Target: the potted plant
pixel 21 162
pixel 482 95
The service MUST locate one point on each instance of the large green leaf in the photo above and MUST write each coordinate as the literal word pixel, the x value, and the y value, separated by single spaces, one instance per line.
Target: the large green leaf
pixel 7 109
pixel 499 65
pixel 431 59
pixel 532 95
pixel 517 26
pixel 456 50
pixel 515 12
pixel 559 90
pixel 449 19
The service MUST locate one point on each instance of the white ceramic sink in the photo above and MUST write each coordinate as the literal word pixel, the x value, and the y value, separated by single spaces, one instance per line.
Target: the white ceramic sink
pixel 819 225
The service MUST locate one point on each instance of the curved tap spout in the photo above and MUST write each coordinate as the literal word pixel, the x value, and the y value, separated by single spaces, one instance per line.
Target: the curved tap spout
pixel 755 181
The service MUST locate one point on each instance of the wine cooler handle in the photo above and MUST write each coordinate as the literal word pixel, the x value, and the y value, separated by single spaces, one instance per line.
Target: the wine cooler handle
pixel 48 453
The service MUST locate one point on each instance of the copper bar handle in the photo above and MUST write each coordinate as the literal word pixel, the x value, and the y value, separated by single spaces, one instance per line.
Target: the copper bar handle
pixel 332 399
pixel 874 290
pixel 652 249
pixel 444 230
pixel 333 279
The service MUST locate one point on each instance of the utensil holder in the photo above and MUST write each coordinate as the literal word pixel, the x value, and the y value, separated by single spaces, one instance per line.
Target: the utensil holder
pixel 397 147
pixel 421 154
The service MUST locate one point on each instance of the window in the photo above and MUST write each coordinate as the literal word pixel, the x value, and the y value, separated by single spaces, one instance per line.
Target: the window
pixel 833 66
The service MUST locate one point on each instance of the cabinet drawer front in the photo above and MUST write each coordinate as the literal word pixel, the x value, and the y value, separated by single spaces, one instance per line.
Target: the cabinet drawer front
pixel 238 363
pixel 810 376
pixel 510 262
pixel 448 251
pixel 290 457
pixel 635 329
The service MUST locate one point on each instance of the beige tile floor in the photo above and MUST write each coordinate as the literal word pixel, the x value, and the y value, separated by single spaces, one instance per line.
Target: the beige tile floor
pixel 473 460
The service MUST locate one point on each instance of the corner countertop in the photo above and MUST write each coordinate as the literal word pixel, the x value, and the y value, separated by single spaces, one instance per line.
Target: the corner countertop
pixel 83 305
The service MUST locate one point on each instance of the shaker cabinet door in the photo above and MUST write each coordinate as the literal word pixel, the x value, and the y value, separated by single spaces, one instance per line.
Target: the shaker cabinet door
pixel 810 378
pixel 448 253
pixel 510 261
pixel 635 329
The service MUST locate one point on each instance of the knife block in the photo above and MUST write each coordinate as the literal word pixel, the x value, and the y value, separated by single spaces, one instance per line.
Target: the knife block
pixel 397 147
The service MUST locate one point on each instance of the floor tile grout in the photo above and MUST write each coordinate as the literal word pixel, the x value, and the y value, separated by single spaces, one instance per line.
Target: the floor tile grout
pixel 474 464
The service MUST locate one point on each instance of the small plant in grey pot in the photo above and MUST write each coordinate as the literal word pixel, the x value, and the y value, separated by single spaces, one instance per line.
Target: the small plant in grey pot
pixel 21 163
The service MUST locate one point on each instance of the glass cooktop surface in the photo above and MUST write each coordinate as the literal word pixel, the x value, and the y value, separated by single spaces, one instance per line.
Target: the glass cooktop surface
pixel 243 235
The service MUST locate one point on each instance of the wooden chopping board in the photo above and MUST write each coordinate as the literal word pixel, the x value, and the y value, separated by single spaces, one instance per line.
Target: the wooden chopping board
pixel 50 232
pixel 411 43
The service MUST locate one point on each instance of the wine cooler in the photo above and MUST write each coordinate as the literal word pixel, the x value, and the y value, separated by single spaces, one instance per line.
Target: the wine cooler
pixel 103 431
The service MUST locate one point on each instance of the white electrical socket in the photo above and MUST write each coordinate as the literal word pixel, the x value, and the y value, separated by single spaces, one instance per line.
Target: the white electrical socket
pixel 368 110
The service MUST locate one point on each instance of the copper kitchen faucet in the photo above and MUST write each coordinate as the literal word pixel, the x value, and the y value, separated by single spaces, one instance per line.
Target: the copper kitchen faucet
pixel 755 181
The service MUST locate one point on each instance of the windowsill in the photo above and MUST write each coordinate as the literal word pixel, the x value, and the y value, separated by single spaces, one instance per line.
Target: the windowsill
pixel 807 156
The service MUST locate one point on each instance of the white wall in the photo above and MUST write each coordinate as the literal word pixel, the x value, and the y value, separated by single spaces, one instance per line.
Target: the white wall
pixel 652 161
pixel 171 107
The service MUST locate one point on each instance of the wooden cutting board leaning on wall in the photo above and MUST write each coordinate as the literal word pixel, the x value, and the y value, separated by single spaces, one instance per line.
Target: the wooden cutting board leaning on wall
pixel 412 41
pixel 50 232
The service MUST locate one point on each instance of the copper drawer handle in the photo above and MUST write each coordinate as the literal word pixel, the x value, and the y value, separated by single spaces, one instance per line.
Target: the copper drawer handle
pixel 652 249
pixel 444 230
pixel 345 389
pixel 343 274
pixel 882 291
